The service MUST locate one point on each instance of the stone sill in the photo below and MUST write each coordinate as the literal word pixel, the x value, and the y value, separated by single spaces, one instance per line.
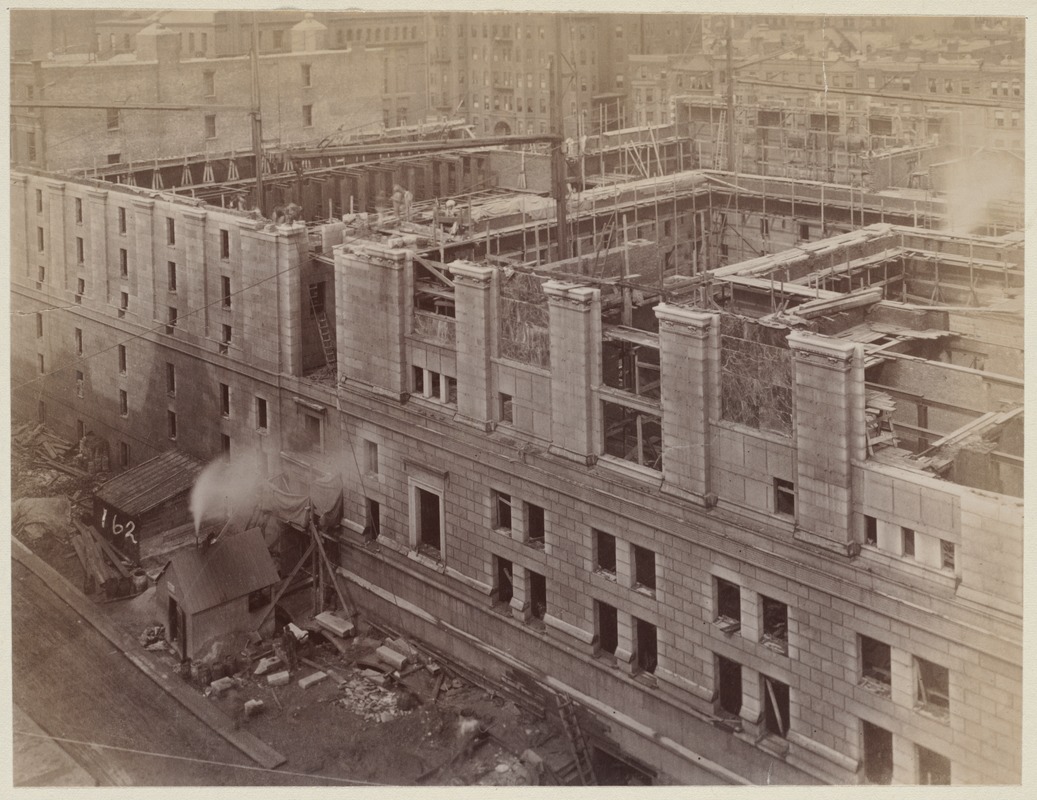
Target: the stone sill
pixel 631 470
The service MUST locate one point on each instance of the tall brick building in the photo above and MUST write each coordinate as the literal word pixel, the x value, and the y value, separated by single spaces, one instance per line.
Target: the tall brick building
pixel 710 494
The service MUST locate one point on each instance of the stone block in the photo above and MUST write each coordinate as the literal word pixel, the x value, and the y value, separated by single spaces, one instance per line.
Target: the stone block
pixel 310 680
pixel 220 685
pixel 391 657
pixel 278 678
pixel 266 664
pixel 335 624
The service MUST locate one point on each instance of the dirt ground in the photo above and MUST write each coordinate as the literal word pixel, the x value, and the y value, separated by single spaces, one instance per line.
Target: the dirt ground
pixel 348 726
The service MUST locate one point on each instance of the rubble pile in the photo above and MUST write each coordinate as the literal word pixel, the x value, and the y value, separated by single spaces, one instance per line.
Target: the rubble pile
pixel 363 698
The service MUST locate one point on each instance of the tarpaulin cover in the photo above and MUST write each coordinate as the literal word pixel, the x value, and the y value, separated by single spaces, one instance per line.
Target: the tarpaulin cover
pixel 325 498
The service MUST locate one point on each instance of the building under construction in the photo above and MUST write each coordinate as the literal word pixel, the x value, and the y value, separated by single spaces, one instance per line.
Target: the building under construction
pixel 734 461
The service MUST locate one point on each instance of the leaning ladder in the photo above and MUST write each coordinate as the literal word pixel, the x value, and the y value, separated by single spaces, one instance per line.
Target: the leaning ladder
pixel 581 753
pixel 326 339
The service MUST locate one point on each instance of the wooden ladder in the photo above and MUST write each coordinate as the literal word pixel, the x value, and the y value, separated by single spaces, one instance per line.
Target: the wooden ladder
pixel 584 769
pixel 718 143
pixel 326 339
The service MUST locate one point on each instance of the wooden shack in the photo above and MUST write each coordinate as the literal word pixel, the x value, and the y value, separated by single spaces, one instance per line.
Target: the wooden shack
pixel 146 500
pixel 205 593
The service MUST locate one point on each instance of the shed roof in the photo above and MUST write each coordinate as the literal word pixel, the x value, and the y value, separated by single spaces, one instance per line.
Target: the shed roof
pixel 230 569
pixel 150 483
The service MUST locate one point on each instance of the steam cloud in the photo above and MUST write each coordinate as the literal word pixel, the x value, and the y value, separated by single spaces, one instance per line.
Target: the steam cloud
pixel 227 487
pixel 972 184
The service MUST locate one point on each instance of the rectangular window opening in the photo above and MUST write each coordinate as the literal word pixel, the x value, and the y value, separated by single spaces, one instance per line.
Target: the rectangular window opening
pixel 372 519
pixel 775 624
pixel 878 753
pixel 728 605
pixel 647 645
pixel 947 555
pixel 429 533
pixel 225 293
pixel 644 568
pixel 931 688
pixel 261 421
pixel 776 707
pixel 501 511
pixel 224 400
pixel 171 275
pixel 171 421
pixel 876 671
pixel 122 359
pixel 534 525
pixel 605 553
pixel 537 594
pixel 729 686
pixel 224 244
pixel 784 497
pixel 503 571
pixel 933 769
pixel 907 537
pixel 607 620
pixel 170 379
pixel 871 531
pixel 124 403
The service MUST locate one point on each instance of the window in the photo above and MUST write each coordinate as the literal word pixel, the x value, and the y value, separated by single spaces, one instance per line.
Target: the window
pixel 224 400
pixel 226 332
pixel 112 119
pixel 122 220
pixel 170 379
pixel 372 519
pixel 907 538
pixel 644 569
pixel 306 75
pixel 931 692
pixel 80 289
pixel 776 706
pixel 278 40
pixel 501 510
pixel 171 424
pixel 607 622
pixel 79 211
pixel 933 769
pixel 40 239
pixel 124 454
pixel 307 116
pixel 41 274
pixel 171 275
pixel 999 121
pixel 30 145
pixel 503 588
pixel 875 665
pixel 80 381
pixel 261 421
pixel 224 243
pixel 80 250
pixel 534 525
pixel 428 519
pixel 124 303
pixel 537 594
pixel 124 403
pixel 804 232
pixel 1016 118
pixel 728 599
pixel 775 624
pixel 224 444
pixel 605 553
pixel 871 531
pixel 784 497
pixel 114 158
pixel 210 126
pixel 225 292
pixel 39 201
pixel 947 555
pixel 313 432
pixel 506 410
pixel 171 318
pixel 646 645
pixel 170 231
pixel 877 746
pixel 122 359
pixel 39 325
pixel 79 341
pixel 729 686
pixel 124 263
pixel 209 83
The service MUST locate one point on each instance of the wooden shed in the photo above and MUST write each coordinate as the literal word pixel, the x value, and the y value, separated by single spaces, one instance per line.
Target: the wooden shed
pixel 146 500
pixel 206 593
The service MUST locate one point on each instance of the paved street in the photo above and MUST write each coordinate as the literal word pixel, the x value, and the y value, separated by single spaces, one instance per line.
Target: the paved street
pixel 75 685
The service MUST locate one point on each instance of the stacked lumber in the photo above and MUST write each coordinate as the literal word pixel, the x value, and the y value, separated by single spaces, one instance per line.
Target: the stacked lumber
pixel 45 447
pixel 102 564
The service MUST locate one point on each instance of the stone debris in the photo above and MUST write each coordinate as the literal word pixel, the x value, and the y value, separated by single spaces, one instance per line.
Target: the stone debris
pixel 391 657
pixel 373 703
pixel 253 707
pixel 278 678
pixel 220 685
pixel 266 664
pixel 309 680
pixel 334 624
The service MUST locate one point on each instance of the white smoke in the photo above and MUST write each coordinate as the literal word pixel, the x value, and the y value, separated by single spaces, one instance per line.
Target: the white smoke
pixel 227 487
pixel 971 185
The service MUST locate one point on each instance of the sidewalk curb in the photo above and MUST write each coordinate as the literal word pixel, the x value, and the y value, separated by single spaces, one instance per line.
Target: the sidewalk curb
pixel 253 747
